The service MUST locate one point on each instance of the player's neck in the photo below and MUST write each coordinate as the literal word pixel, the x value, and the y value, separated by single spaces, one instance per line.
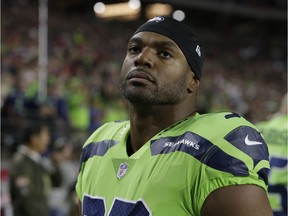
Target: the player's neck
pixel 146 124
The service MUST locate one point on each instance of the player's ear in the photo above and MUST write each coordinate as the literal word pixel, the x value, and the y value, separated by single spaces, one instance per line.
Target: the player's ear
pixel 193 82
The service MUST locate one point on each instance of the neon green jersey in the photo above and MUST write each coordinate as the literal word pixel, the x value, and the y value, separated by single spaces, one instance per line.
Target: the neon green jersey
pixel 174 172
pixel 275 134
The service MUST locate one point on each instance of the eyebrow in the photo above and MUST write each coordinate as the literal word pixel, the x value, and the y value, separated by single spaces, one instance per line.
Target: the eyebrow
pixel 163 43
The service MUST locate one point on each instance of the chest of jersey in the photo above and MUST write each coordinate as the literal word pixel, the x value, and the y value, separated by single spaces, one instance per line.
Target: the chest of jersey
pixel 172 174
pixel 152 182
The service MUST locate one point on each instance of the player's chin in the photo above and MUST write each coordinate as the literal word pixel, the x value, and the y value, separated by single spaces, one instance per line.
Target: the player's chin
pixel 136 95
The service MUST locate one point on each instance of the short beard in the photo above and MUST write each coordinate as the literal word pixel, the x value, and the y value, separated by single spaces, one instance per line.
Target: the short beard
pixel 170 93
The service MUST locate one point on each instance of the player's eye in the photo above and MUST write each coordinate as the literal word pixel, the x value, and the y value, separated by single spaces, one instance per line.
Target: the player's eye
pixel 165 54
pixel 134 50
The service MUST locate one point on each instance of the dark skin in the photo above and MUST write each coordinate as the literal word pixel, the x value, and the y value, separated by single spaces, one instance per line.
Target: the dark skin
pixel 161 89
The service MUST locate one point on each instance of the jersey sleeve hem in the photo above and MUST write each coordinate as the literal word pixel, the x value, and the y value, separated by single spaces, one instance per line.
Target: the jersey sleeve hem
pixel 217 183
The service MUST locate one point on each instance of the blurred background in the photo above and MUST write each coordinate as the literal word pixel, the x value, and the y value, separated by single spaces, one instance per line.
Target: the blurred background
pixel 61 59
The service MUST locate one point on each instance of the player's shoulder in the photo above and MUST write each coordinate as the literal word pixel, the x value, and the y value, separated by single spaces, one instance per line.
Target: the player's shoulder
pixel 112 125
pixel 224 118
pixel 107 131
pixel 219 122
pixel 236 130
pixel 235 140
pixel 226 127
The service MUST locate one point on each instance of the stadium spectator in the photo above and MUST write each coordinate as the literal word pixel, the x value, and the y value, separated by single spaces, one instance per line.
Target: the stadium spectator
pixel 31 175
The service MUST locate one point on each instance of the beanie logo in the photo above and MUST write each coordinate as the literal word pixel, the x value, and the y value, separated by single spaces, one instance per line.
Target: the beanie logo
pixel 198 50
pixel 156 19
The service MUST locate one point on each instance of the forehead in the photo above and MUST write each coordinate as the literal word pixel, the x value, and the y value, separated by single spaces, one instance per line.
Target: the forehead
pixel 153 38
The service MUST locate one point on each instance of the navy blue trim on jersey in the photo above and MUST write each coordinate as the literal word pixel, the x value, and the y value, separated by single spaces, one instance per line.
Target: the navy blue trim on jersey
pixel 249 140
pixel 263 174
pixel 96 148
pixel 202 150
pixel 232 115
pixel 93 206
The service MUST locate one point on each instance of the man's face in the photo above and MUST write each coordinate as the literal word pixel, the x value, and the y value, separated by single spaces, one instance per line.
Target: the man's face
pixel 40 141
pixel 155 70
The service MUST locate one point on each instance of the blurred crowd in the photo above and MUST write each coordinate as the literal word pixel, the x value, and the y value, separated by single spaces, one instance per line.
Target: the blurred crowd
pixel 245 70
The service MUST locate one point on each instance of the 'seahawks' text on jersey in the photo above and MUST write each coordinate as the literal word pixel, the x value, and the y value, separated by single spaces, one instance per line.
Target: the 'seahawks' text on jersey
pixel 174 172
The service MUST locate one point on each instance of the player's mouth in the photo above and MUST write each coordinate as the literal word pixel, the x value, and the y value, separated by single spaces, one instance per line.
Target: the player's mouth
pixel 139 76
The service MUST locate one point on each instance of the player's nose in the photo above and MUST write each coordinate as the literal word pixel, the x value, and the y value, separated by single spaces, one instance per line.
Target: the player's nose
pixel 145 58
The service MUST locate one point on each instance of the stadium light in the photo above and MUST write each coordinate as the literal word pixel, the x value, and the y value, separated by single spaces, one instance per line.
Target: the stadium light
pixel 126 10
pixel 99 7
pixel 179 15
pixel 157 9
pixel 134 4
